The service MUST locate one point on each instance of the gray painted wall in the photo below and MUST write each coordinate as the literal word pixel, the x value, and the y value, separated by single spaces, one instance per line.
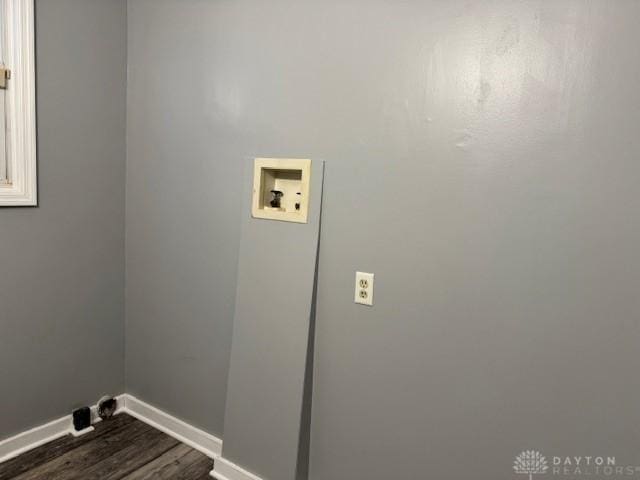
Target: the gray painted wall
pixel 183 214
pixel 481 161
pixel 62 286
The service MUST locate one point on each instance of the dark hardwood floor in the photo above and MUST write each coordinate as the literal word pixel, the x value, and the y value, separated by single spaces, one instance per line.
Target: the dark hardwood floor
pixel 120 448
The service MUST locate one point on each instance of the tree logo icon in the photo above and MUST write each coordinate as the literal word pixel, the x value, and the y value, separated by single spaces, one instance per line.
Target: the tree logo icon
pixel 530 463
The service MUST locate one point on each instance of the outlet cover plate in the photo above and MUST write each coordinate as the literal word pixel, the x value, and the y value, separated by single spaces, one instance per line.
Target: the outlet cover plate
pixel 364 288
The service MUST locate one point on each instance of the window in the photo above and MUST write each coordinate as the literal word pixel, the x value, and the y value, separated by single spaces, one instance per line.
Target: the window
pixel 18 182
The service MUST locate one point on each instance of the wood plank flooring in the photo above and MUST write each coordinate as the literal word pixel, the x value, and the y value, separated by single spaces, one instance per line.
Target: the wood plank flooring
pixel 122 448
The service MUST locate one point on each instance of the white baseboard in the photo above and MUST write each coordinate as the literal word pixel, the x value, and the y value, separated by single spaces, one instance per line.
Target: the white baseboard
pixel 202 441
pixel 25 441
pixel 225 470
pixel 84 431
pixel 185 433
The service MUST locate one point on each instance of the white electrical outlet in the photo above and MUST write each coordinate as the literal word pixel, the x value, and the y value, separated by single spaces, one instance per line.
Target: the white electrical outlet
pixel 364 288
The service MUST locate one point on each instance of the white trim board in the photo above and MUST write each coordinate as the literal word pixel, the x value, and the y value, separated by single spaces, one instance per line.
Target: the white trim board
pixel 225 470
pixel 25 441
pixel 202 441
pixel 198 439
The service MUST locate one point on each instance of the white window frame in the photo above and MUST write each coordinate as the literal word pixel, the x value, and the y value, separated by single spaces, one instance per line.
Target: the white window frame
pixel 21 186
